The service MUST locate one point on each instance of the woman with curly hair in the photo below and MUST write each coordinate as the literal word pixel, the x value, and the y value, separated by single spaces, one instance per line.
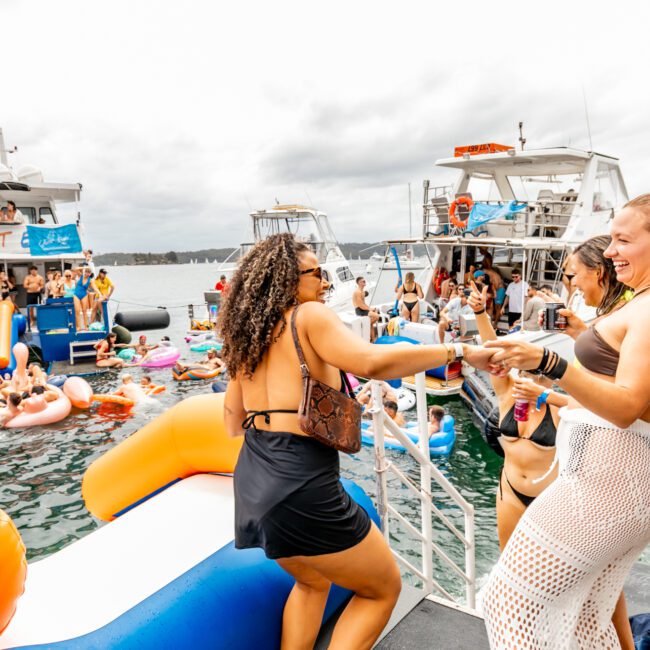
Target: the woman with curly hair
pixel 288 497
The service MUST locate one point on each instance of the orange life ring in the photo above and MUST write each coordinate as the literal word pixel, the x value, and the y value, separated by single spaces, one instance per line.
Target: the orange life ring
pixel 459 223
pixel 155 390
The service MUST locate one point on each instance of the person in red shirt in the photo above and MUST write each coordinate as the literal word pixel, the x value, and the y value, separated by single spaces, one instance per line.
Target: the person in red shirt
pixel 222 285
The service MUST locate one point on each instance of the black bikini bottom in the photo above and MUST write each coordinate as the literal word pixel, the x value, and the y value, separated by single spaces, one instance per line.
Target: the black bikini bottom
pixel 524 498
pixel 410 305
pixel 289 500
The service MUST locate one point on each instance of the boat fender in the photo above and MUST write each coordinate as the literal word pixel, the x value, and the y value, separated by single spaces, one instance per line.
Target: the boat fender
pixel 219 386
pixel 149 319
pixel 123 334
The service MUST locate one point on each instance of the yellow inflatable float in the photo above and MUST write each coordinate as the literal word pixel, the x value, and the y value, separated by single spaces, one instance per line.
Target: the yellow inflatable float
pixel 190 438
pixel 13 569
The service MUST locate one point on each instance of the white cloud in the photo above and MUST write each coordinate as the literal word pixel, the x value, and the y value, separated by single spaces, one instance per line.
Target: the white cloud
pixel 178 118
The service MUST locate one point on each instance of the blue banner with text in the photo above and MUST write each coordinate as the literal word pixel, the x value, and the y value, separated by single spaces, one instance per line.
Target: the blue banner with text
pixel 53 240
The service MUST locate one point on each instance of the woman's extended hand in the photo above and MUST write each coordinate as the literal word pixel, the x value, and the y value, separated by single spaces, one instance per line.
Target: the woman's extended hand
pixel 482 359
pixel 574 324
pixel 527 389
pixel 477 299
pixel 515 354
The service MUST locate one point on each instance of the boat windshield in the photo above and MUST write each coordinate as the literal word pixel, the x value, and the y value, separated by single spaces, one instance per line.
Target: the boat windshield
pixel 540 188
pixel 306 227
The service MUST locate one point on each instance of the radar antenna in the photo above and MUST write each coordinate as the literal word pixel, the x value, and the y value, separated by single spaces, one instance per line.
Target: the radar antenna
pixel 521 135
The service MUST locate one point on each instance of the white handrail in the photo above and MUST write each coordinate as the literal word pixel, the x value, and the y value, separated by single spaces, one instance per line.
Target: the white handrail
pixel 428 472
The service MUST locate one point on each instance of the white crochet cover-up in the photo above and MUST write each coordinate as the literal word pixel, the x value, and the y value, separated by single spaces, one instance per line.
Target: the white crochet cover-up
pixel 562 571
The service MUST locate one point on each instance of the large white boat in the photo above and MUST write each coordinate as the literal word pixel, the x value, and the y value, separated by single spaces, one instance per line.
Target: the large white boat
pixel 528 209
pixel 39 238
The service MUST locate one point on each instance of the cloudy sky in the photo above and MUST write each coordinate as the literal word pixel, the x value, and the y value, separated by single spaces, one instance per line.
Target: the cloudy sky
pixel 180 117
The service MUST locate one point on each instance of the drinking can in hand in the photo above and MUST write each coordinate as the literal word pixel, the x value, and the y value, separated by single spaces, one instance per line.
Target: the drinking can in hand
pixel 521 410
pixel 553 321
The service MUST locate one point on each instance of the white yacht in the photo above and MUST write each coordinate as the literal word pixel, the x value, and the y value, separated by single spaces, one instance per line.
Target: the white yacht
pixel 312 227
pixel 528 209
pixel 38 238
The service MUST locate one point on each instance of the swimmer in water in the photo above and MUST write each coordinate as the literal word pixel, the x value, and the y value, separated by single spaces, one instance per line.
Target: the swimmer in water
pixel 130 389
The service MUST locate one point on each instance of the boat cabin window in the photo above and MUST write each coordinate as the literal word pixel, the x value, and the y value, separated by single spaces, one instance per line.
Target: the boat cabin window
pixel 45 214
pixel 556 188
pixel 607 190
pixel 28 213
pixel 483 188
pixel 344 273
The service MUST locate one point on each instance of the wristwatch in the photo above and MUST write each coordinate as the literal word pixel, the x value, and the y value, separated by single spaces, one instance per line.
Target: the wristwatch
pixel 458 349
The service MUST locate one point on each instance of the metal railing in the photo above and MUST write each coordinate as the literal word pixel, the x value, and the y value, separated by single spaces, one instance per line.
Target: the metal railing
pixel 423 493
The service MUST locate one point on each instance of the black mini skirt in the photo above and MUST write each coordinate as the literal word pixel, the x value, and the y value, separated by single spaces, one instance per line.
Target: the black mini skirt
pixel 289 499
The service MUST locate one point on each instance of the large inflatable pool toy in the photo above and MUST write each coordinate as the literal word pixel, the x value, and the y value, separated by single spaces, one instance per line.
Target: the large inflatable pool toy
pixel 13 569
pixel 57 380
pixel 196 374
pixel 161 357
pixel 79 392
pixel 199 336
pixel 6 343
pixel 354 382
pixel 187 439
pixel 405 399
pixel 126 354
pixel 38 411
pixel 155 389
pixel 440 444
pixel 205 346
pixel 108 398
pixel 165 573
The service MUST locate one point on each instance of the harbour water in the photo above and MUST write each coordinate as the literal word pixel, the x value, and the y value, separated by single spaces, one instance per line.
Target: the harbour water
pixel 42 468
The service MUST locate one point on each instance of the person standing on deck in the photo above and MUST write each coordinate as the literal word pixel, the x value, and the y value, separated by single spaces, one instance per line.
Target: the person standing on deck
pixel 33 285
pixel 514 301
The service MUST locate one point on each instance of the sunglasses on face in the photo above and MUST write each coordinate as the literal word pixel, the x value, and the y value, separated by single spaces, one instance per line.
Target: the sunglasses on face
pixel 569 276
pixel 317 272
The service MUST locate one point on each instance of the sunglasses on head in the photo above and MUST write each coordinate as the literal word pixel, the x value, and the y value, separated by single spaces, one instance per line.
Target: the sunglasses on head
pixel 317 272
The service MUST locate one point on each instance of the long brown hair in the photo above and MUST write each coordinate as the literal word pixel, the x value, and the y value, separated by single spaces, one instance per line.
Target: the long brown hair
pixel 591 254
pixel 261 290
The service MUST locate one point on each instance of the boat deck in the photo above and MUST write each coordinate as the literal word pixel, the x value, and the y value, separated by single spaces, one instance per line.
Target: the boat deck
pixel 422 622
pixel 78 369
pixel 437 387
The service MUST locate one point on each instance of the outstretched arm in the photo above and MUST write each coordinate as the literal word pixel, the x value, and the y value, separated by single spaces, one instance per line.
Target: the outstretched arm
pixel 341 348
pixel 621 402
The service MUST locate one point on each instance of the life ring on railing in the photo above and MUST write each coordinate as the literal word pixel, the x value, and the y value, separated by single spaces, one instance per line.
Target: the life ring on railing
pixel 468 203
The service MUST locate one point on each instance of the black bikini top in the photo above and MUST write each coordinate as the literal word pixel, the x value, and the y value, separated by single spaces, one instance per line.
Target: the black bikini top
pixel 544 435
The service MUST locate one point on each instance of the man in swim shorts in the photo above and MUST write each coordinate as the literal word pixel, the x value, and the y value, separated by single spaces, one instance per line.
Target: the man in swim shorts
pixel 362 309
pixel 34 285
pixel 210 362
pixel 130 389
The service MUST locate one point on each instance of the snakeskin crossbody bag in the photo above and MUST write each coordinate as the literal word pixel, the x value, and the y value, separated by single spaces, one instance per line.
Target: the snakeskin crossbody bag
pixel 331 416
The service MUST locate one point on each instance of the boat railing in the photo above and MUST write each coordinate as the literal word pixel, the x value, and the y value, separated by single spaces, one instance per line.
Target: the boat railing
pixel 423 494
pixel 539 219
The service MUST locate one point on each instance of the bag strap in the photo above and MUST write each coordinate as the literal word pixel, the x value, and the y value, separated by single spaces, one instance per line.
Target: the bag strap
pixel 304 370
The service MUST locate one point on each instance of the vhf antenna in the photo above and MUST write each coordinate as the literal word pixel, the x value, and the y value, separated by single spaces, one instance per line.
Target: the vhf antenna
pixel 521 135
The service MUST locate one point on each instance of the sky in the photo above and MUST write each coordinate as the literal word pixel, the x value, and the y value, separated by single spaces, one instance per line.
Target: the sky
pixel 180 118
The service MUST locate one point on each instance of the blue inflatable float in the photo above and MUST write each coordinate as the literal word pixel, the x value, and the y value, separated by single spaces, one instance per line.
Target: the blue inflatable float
pixel 440 444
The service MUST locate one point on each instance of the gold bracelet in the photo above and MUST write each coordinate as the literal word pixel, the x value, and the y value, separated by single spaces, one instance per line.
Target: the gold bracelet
pixel 451 353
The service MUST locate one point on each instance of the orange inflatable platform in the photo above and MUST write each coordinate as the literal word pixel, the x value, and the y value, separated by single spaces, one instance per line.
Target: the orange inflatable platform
pixel 190 438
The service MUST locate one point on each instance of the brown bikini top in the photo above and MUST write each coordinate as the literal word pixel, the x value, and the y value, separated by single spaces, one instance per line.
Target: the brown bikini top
pixel 595 354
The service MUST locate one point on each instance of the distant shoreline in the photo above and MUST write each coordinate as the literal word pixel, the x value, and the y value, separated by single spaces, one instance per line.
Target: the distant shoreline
pixel 352 251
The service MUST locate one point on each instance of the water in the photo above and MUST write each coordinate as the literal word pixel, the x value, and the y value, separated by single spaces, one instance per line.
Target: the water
pixel 40 477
